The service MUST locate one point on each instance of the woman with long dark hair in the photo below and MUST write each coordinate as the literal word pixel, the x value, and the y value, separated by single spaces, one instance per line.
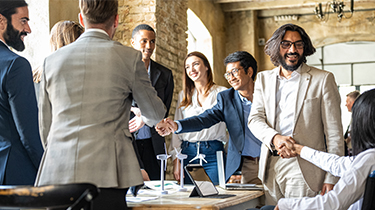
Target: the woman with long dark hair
pixel 198 94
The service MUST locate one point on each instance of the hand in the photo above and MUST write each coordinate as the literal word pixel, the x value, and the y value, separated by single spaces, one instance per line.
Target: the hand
pixel 276 207
pixel 281 142
pixel 145 175
pixel 295 148
pixel 176 169
pixel 135 124
pixel 166 126
pixel 326 188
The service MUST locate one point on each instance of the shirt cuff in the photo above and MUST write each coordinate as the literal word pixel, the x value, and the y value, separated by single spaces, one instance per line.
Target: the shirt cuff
pixel 307 153
pixel 179 127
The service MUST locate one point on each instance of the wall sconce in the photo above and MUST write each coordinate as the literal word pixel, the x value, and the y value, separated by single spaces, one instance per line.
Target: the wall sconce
pixel 336 7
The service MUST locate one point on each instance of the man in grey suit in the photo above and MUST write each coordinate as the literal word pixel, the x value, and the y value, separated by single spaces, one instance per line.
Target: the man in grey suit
pixel 148 142
pixel 85 103
pixel 294 102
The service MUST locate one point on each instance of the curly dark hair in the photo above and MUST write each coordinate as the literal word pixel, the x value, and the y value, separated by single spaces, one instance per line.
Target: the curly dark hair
pixel 272 47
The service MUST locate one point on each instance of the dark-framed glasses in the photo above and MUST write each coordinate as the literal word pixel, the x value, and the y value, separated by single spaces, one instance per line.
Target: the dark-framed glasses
pixel 288 44
pixel 233 72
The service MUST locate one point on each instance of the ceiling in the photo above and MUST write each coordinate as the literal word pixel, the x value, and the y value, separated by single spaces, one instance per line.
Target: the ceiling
pixel 287 6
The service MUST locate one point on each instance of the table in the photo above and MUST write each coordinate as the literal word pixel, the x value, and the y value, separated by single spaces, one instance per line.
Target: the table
pixel 181 201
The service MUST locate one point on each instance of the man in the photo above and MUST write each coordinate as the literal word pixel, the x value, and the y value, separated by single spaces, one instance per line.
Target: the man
pixel 20 146
pixel 233 107
pixel 149 143
pixel 85 102
pixel 350 98
pixel 294 102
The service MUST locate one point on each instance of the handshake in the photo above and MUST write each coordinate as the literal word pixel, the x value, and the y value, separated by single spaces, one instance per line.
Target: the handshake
pixel 166 126
pixel 286 146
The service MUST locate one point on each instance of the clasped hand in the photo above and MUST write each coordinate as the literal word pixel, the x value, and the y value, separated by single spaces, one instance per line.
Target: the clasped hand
pixel 286 146
pixel 166 126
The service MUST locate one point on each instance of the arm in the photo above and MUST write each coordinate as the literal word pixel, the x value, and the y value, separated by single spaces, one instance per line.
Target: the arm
pixel 168 93
pixel 349 188
pixel 151 106
pixel 258 122
pixel 24 108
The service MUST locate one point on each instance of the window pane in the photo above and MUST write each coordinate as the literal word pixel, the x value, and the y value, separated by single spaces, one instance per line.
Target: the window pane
pixel 363 74
pixel 342 73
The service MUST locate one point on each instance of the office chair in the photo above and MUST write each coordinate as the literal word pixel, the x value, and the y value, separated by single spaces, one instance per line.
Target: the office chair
pixel 71 196
pixel 369 196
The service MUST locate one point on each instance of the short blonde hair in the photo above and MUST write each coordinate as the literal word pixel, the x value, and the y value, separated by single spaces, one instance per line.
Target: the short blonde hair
pixel 63 33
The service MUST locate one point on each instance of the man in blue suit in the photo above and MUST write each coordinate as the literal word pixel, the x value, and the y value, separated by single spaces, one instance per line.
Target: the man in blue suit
pixel 20 146
pixel 233 107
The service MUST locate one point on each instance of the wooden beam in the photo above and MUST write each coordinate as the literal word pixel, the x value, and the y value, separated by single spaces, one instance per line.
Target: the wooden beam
pixel 242 5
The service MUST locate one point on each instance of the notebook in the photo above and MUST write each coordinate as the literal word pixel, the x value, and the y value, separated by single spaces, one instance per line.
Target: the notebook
pixel 204 187
pixel 231 186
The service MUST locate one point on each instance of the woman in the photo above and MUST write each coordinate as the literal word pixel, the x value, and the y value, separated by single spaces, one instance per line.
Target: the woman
pixel 198 94
pixel 62 33
pixel 349 190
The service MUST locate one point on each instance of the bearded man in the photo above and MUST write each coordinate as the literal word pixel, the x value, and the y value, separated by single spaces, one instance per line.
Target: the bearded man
pixel 299 103
pixel 20 146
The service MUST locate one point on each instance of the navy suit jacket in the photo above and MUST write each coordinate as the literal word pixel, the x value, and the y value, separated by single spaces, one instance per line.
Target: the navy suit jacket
pixel 229 110
pixel 20 146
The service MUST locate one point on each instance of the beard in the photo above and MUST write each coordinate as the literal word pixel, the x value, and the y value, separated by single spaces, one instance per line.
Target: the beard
pixel 13 39
pixel 282 61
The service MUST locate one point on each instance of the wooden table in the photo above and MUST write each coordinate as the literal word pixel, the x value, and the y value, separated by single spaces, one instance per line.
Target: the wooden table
pixel 182 201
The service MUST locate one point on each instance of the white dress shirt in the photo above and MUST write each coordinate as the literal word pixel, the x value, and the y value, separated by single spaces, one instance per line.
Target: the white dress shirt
pixel 215 132
pixel 349 190
pixel 286 99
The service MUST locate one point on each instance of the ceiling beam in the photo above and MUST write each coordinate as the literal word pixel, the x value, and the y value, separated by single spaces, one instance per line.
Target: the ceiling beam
pixel 242 5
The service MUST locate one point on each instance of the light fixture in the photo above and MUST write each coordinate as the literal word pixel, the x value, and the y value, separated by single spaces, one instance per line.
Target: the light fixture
pixel 336 7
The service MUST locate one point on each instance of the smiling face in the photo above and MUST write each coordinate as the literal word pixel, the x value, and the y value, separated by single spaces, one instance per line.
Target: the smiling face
pixel 240 82
pixel 292 57
pixel 17 29
pixel 195 69
pixel 144 41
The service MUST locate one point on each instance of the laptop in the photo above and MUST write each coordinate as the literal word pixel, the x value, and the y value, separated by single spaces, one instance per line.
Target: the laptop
pixel 203 185
pixel 231 186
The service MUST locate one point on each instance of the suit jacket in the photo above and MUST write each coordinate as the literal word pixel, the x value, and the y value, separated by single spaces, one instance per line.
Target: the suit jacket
pixel 85 101
pixel 162 80
pixel 317 120
pixel 20 146
pixel 229 110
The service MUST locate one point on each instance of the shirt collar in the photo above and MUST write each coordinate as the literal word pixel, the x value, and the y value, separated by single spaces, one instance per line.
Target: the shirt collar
pixel 243 99
pixel 97 30
pixel 294 73
pixel 4 43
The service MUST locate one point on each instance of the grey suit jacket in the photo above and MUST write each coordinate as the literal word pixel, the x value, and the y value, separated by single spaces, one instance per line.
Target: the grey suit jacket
pixel 85 101
pixel 317 122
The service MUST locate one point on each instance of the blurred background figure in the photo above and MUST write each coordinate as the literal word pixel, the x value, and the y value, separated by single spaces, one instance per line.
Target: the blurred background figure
pixel 350 98
pixel 63 33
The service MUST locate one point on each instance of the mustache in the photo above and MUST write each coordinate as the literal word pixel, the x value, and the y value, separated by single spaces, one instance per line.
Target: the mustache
pixel 295 53
pixel 23 33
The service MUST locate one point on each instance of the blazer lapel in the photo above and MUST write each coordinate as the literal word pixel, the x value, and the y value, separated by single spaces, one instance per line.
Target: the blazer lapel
pixel 154 73
pixel 303 86
pixel 272 97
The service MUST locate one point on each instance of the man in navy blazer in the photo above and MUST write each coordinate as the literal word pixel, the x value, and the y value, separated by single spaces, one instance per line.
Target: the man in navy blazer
pixel 148 142
pixel 233 107
pixel 20 146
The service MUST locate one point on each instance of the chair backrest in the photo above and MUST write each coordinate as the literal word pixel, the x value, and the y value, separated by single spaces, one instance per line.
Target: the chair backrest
pixel 369 196
pixel 71 196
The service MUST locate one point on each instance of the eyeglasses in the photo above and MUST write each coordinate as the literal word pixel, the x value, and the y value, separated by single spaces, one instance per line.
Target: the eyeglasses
pixel 234 73
pixel 288 44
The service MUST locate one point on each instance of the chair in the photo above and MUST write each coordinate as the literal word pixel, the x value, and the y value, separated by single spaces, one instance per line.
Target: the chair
pixel 369 196
pixel 71 196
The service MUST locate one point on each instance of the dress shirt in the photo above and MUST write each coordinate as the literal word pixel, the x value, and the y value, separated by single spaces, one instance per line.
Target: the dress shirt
pixel 215 132
pixel 349 190
pixel 145 131
pixel 286 97
pixel 252 144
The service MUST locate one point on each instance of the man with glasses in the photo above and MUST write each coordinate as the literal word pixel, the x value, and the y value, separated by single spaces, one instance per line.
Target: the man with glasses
pixel 20 146
pixel 298 103
pixel 233 107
